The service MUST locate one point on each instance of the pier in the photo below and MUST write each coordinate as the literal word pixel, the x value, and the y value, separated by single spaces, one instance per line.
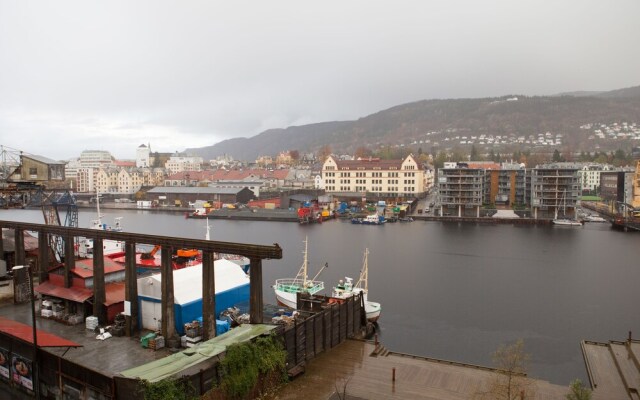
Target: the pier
pixel 365 370
pixel 613 368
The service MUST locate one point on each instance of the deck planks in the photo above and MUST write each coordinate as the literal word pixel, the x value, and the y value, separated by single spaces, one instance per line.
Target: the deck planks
pixel 416 378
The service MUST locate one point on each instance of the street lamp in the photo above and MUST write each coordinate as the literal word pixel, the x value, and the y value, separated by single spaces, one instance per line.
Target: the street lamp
pixel 34 365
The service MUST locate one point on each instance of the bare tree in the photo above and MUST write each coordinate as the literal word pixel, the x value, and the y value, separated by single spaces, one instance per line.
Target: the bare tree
pixel 510 381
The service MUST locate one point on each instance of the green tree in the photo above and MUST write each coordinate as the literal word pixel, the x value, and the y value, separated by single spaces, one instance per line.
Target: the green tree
pixel 556 156
pixel 474 154
pixel 578 391
pixel 440 159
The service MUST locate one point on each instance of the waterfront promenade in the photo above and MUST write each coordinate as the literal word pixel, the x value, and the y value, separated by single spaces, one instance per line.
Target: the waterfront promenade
pixel 365 375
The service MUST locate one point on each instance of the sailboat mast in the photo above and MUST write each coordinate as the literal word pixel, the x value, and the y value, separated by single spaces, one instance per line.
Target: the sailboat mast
pixel 304 263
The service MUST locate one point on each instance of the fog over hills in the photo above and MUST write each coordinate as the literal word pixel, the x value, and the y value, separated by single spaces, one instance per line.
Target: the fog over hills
pixel 428 123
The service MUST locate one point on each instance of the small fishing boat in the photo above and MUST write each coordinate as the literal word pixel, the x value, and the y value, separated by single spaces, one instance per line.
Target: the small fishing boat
pixel 109 247
pixel 346 289
pixel 287 289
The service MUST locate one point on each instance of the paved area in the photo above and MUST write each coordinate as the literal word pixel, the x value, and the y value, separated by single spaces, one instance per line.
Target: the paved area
pixel 108 357
pixel 505 214
pixel 351 365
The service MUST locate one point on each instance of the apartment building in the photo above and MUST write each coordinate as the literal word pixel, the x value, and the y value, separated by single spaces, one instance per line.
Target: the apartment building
pixel 461 190
pixel 555 190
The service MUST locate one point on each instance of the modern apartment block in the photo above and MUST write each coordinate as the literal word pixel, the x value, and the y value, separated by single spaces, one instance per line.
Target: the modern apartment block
pixel 555 190
pixel 548 191
pixel 461 190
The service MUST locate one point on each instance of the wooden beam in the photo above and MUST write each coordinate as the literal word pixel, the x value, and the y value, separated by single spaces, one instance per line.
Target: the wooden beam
pixel 99 291
pixel 131 287
pixel 69 258
pixel 43 258
pixel 168 324
pixel 255 292
pixel 19 247
pixel 208 296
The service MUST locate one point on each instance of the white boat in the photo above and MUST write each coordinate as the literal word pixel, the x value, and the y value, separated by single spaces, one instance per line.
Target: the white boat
pixel 287 289
pixel 373 219
pixel 346 289
pixel 109 247
pixel 564 221
pixel 594 218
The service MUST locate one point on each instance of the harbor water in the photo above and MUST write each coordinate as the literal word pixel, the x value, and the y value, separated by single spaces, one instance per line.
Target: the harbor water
pixel 450 290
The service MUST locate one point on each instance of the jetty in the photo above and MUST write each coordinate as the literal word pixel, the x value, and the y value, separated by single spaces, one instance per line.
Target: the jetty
pixel 366 370
pixel 613 368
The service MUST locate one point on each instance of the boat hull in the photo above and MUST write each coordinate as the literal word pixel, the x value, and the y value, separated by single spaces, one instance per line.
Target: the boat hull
pixel 286 299
pixel 372 310
pixel 566 222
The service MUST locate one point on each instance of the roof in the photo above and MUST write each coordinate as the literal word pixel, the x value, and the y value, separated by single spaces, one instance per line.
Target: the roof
pixel 124 163
pixel 187 282
pixel 369 163
pixel 79 295
pixel 114 293
pixel 44 160
pixel 194 190
pixel 25 333
pixel 84 268
pixel 230 175
pixel 174 364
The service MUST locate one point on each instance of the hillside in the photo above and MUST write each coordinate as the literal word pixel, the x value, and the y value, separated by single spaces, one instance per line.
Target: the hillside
pixel 431 124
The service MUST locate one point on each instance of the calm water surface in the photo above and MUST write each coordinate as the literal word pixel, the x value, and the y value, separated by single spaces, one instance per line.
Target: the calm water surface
pixel 453 291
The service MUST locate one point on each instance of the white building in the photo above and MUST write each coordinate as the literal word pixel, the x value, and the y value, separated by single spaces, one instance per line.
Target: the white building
pixel 589 176
pixel 380 178
pixel 142 156
pixel 178 163
pixel 95 159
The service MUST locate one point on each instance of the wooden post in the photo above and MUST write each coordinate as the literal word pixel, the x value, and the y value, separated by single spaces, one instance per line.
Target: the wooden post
pixel 2 245
pixel 168 323
pixel 43 256
pixel 69 259
pixel 19 247
pixel 131 288
pixel 208 296
pixel 99 291
pixel 255 292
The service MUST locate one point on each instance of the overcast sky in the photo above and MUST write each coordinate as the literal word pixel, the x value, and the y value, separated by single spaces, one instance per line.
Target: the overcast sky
pixel 111 75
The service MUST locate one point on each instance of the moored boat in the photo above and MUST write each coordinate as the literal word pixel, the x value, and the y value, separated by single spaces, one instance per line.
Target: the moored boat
pixel 566 222
pixel 346 289
pixel 109 247
pixel 594 218
pixel 287 289
pixel 372 219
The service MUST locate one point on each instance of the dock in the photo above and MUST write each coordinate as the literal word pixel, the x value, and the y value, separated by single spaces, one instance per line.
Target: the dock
pixel 613 369
pixel 366 371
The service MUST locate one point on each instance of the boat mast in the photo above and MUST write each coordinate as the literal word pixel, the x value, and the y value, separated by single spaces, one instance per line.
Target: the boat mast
pixel 304 263
pixel 98 207
pixel 364 274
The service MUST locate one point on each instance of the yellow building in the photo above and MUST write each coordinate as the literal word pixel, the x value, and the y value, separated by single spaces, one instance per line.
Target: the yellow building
pixel 374 177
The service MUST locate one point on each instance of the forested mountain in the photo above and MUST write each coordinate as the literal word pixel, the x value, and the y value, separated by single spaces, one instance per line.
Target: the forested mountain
pixel 439 124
